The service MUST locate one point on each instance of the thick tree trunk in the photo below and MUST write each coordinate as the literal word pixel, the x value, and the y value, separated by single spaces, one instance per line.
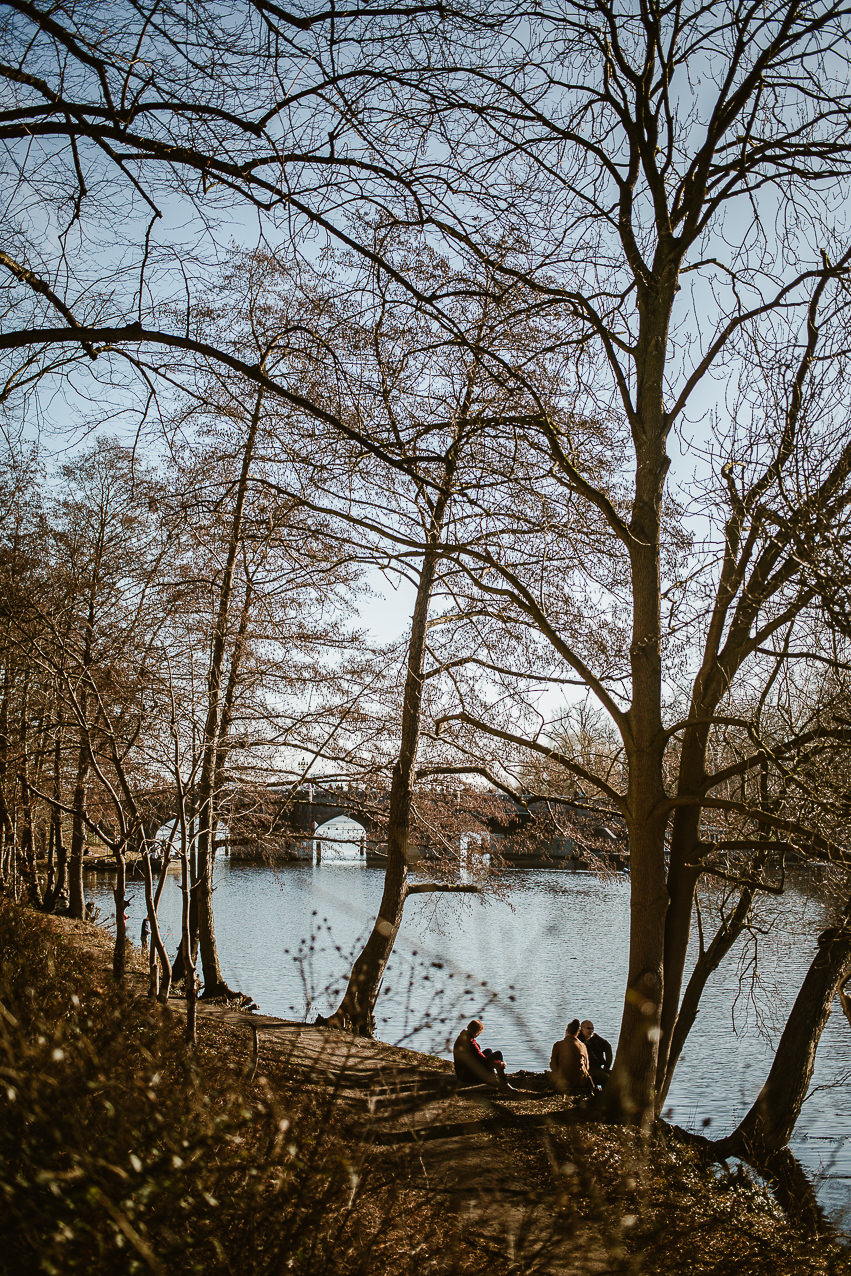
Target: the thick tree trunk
pixel 215 984
pixel 13 866
pixel 683 875
pixel 630 1096
pixel 768 1126
pixel 58 873
pixel 682 884
pixel 186 947
pixel 76 901
pixel 50 875
pixel 178 970
pixel 28 858
pixel 7 778
pixel 25 820
pixel 119 952
pixel 357 1008
pixel 214 981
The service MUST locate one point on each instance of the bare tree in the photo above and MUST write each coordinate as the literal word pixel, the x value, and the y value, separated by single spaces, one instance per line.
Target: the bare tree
pixel 655 212
pixel 663 184
pixel 270 583
pixel 96 642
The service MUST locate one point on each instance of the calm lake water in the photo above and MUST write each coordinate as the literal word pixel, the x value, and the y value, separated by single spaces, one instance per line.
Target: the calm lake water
pixel 551 946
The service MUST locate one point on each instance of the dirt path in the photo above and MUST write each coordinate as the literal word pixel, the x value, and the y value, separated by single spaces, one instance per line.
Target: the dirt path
pixel 484 1154
pixel 533 1186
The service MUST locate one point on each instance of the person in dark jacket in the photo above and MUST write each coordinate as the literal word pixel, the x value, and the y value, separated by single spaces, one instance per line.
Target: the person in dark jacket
pixel 599 1053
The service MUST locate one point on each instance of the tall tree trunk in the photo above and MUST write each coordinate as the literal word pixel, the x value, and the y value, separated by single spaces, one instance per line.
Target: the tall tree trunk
pixel 77 904
pixel 630 1095
pixel 214 735
pixel 58 881
pixel 76 901
pixel 6 822
pixel 13 864
pixel 160 966
pixel 215 984
pixel 25 822
pixel 119 952
pixel 683 876
pixel 186 942
pixel 28 856
pixel 357 1008
pixel 178 970
pixel 213 978
pixel 768 1126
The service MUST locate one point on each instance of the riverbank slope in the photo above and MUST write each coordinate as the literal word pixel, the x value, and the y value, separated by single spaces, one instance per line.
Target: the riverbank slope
pixel 284 1147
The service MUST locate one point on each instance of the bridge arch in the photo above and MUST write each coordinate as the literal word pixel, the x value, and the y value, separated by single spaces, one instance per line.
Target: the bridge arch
pixel 340 839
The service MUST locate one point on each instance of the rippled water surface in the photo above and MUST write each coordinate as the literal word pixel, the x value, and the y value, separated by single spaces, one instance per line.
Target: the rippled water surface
pixel 552 945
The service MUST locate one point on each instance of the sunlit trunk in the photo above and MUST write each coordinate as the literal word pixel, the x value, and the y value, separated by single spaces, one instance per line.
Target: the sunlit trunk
pixel 76 904
pixel 6 766
pixel 186 943
pixel 357 1009
pixel 216 727
pixel 631 1094
pixel 58 866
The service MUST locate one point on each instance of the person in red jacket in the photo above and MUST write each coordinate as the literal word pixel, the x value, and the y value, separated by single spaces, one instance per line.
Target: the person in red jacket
pixel 473 1065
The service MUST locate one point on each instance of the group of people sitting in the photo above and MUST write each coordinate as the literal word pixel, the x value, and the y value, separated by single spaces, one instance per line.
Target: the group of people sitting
pixel 580 1063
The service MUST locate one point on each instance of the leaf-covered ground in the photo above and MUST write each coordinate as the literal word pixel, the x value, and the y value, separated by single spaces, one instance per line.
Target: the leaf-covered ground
pixel 301 1149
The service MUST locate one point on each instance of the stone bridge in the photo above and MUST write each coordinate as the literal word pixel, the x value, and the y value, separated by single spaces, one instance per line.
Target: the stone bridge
pixel 313 805
pixel 291 824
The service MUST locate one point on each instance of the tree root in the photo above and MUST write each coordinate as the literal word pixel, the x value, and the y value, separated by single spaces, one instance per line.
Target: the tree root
pixel 782 1171
pixel 223 992
pixel 787 1178
pixel 345 1023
